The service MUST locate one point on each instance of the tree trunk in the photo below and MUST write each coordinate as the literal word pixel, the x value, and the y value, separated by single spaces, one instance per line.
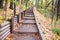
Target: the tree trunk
pixel 11 4
pixel 52 11
pixel 41 3
pixel 14 8
pixel 26 2
pixel 1 4
pixel 6 2
pixel 58 9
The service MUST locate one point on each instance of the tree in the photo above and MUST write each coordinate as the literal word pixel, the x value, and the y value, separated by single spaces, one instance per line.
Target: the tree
pixel 14 7
pixel 11 4
pixel 1 4
pixel 52 10
pixel 6 2
pixel 58 9
pixel 26 2
pixel 37 3
pixel 47 4
pixel 41 3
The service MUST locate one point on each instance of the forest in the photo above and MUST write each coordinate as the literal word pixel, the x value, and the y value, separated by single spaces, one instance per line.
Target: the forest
pixel 50 9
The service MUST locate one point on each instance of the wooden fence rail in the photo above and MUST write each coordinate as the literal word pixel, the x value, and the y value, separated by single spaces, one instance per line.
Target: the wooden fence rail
pixel 4 30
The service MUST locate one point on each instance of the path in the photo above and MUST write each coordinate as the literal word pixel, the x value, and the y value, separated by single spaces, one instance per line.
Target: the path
pixel 28 30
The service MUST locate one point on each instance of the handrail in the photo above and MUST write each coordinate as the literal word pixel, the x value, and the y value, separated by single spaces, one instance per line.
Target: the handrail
pixel 39 26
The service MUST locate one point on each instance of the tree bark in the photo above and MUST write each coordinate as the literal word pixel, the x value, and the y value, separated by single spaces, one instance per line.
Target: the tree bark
pixel 1 4
pixel 5 8
pixel 52 11
pixel 14 8
pixel 58 9
pixel 11 4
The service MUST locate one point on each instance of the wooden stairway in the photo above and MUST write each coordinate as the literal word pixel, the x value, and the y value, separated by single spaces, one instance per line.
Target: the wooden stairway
pixel 28 30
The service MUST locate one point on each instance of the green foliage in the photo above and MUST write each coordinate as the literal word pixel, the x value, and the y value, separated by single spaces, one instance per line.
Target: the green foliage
pixel 1 17
pixel 45 12
pixel 26 4
pixel 44 8
pixel 8 1
pixel 58 22
pixel 56 30
pixel 23 6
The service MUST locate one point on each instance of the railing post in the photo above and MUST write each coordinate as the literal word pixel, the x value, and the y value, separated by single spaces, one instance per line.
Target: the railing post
pixel 19 17
pixel 11 27
pixel 13 23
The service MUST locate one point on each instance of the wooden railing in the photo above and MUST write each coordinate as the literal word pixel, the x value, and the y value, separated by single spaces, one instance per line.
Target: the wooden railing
pixel 4 30
pixel 39 26
pixel 13 23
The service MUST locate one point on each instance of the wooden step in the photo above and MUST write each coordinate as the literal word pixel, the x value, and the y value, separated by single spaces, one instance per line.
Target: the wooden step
pixel 29 18
pixel 27 28
pixel 28 22
pixel 29 15
pixel 26 37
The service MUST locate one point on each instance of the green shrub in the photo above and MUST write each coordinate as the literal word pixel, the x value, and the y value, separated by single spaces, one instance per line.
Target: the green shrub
pixel 56 30
pixel 1 17
pixel 58 22
pixel 45 12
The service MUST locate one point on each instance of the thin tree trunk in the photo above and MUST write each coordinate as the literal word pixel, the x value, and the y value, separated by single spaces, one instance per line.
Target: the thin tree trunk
pixel 41 3
pixel 14 8
pixel 58 9
pixel 52 11
pixel 1 4
pixel 11 4
pixel 6 2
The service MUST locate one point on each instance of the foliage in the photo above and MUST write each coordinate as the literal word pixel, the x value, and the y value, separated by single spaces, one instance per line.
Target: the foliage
pixel 1 17
pixel 26 4
pixel 58 22
pixel 56 30
pixel 45 12
pixel 44 8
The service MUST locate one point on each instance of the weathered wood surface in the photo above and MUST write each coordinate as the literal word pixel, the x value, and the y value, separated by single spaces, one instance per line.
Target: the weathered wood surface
pixel 26 37
pixel 29 18
pixel 28 27
pixel 40 27
pixel 4 30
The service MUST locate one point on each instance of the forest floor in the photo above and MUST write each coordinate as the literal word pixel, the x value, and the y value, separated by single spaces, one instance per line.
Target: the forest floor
pixel 46 22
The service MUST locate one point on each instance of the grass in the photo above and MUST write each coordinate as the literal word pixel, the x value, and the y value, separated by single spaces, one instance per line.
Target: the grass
pixel 58 22
pixel 45 12
pixel 56 31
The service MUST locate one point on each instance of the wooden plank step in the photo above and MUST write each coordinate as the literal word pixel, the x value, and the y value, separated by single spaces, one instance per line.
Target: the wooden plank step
pixel 26 37
pixel 29 21
pixel 27 28
pixel 29 18
pixel 29 15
